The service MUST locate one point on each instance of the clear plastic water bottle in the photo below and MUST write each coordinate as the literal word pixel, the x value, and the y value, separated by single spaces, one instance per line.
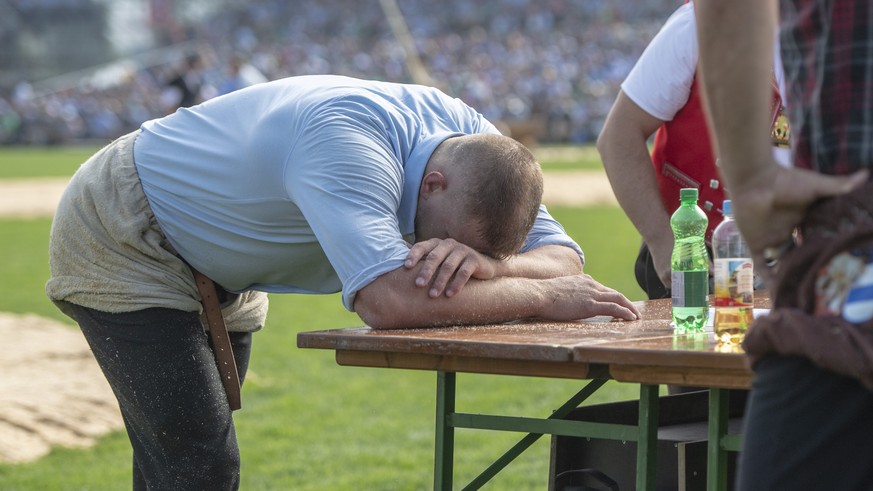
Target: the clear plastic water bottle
pixel 689 264
pixel 734 277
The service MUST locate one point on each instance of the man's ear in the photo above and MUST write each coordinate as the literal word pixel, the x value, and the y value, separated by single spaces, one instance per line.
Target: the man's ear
pixel 433 182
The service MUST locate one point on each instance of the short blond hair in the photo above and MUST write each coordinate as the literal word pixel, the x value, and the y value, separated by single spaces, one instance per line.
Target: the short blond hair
pixel 504 188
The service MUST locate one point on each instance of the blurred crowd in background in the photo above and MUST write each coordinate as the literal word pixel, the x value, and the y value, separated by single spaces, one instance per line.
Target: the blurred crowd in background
pixel 547 68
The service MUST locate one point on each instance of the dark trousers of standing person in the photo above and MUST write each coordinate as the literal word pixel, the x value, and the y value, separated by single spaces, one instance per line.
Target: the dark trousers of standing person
pixel 806 428
pixel 650 282
pixel 647 277
pixel 161 368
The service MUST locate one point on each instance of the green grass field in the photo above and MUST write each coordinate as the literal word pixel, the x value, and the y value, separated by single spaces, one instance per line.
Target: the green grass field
pixel 307 423
pixel 19 162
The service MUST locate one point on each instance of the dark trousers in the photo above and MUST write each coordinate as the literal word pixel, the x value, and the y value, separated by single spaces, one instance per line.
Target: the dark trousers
pixel 650 282
pixel 806 428
pixel 647 277
pixel 161 368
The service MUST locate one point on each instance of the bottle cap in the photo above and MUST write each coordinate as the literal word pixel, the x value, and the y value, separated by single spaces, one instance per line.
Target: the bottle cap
pixel 726 207
pixel 688 193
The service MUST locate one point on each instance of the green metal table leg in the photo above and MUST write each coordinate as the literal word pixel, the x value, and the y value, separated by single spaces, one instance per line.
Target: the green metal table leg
pixel 445 433
pixel 531 438
pixel 647 445
pixel 716 454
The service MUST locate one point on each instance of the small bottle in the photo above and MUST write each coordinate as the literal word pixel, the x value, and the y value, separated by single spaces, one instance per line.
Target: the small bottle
pixel 689 264
pixel 734 279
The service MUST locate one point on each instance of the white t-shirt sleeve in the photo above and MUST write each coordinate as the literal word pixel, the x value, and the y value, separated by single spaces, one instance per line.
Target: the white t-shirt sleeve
pixel 661 79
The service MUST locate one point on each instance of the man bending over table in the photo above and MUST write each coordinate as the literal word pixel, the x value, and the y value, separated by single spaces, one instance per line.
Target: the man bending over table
pixel 407 201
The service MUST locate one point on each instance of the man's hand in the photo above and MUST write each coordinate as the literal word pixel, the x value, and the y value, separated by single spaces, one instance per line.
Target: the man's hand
pixel 581 296
pixel 769 206
pixel 447 265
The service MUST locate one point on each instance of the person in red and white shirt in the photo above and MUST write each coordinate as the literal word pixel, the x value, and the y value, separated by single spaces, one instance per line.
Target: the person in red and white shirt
pixel 660 97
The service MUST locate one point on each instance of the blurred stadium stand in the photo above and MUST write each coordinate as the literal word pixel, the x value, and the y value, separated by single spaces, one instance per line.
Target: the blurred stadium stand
pixel 90 70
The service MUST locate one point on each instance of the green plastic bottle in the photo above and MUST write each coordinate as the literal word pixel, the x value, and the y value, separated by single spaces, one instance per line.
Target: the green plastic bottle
pixel 689 264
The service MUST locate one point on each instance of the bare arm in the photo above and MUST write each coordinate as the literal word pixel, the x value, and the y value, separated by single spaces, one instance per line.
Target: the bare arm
pixel 735 41
pixel 389 303
pixel 447 265
pixel 543 262
pixel 735 57
pixel 625 154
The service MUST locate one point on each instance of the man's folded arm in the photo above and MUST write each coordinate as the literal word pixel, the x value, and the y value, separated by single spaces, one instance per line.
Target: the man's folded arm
pixel 548 261
pixel 392 301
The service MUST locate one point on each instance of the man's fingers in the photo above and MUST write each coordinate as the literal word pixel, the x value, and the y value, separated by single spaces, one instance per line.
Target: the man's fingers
pixel 462 276
pixel 445 266
pixel 615 302
pixel 431 263
pixel 624 305
pixel 447 269
pixel 417 251
pixel 624 313
pixel 612 309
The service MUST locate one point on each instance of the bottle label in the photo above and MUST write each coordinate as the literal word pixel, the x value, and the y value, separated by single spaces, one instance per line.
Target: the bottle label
pixel 690 288
pixel 734 282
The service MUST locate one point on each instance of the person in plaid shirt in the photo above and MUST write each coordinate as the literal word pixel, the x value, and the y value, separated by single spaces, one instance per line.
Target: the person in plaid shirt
pixel 810 414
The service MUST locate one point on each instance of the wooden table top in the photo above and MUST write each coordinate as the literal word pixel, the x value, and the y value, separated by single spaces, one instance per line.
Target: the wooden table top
pixel 644 351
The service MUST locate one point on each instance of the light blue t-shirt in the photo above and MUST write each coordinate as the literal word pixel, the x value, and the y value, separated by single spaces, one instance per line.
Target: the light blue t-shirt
pixel 305 184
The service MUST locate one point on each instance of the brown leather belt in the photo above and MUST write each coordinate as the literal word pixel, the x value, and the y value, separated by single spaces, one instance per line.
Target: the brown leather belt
pixel 220 339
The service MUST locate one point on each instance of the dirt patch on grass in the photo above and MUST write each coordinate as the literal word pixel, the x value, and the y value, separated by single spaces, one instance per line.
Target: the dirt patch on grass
pixel 30 198
pixel 53 391
pixel 577 188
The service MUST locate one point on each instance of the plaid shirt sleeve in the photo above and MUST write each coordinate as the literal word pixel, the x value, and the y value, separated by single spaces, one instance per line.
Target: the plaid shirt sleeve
pixel 827 50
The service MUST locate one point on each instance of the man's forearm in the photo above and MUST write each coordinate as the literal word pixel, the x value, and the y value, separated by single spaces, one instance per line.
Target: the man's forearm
pixel 736 45
pixel 543 262
pixel 628 164
pixel 391 302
